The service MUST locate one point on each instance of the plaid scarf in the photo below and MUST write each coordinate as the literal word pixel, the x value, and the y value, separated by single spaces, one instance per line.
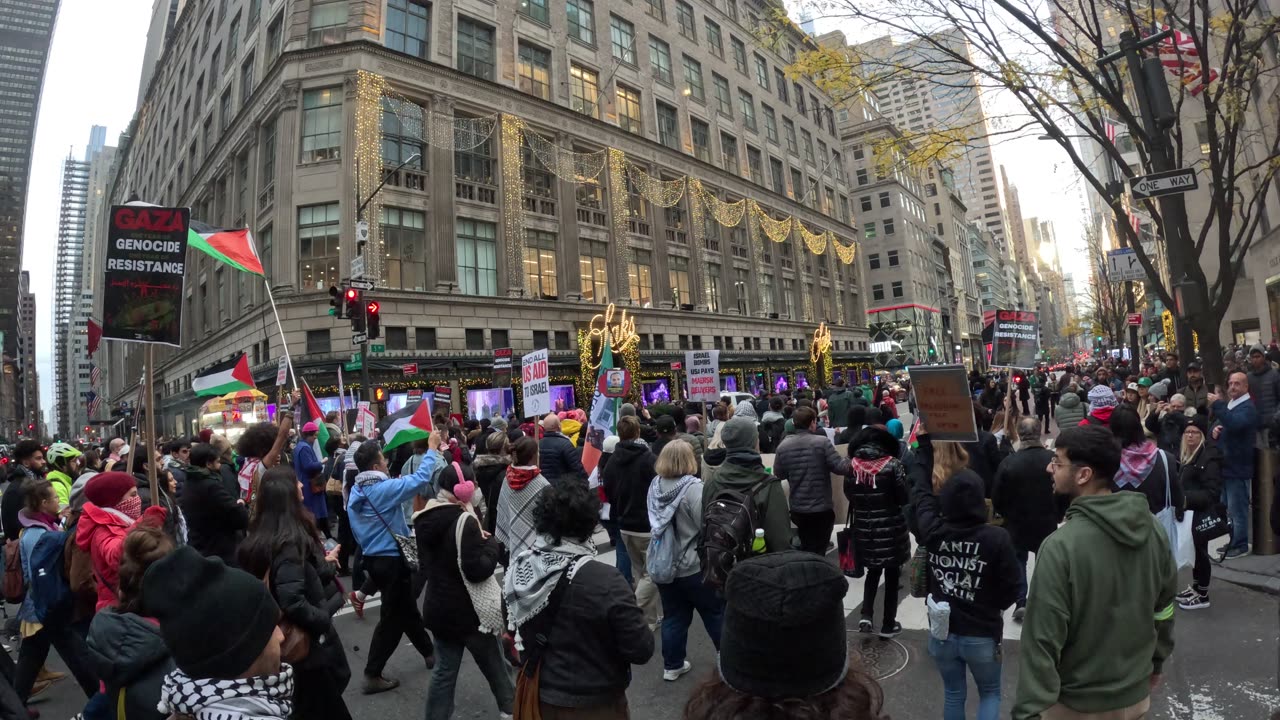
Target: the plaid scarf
pixel 1135 463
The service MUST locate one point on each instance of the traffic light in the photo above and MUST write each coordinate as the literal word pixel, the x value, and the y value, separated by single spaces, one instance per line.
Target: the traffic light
pixel 354 310
pixel 335 302
pixel 379 394
pixel 372 319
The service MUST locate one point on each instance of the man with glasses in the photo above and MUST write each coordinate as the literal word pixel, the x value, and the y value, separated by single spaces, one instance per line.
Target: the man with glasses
pixel 1099 622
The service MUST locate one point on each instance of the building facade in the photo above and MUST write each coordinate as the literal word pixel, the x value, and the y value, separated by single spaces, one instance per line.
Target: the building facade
pixel 26 31
pixel 28 385
pixel 497 227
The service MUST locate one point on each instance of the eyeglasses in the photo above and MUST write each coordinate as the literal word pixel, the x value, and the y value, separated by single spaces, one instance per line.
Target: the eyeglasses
pixel 1055 463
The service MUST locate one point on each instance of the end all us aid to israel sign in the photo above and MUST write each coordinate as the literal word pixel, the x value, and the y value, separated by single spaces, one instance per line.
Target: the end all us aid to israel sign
pixel 702 367
pixel 145 266
pixel 535 380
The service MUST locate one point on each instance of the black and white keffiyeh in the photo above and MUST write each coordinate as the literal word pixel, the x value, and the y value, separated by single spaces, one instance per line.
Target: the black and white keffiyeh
pixel 266 697
pixel 535 572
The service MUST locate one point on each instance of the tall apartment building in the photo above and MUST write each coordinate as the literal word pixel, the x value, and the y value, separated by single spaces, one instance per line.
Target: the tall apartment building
pixel 26 31
pixel 30 386
pixel 254 118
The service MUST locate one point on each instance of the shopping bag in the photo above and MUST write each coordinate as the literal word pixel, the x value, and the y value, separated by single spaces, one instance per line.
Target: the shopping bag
pixel 1185 552
pixel 1211 524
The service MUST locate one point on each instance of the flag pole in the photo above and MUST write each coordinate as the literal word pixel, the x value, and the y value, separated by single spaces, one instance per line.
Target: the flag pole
pixel 279 326
pixel 152 470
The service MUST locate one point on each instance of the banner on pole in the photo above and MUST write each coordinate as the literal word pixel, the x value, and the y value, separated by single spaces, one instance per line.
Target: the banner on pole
pixel 1015 339
pixel 502 367
pixel 282 371
pixel 535 376
pixel 443 399
pixel 943 402
pixel 145 268
pixel 702 368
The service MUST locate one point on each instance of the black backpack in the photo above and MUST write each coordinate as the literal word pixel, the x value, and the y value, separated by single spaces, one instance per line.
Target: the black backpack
pixel 729 523
pixel 771 434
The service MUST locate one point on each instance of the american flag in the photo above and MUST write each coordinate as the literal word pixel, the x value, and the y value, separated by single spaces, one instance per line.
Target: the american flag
pixel 92 399
pixel 94 376
pixel 1179 55
pixel 1110 128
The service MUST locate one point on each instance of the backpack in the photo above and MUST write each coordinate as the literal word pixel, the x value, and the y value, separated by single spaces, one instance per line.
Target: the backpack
pixel 50 590
pixel 729 523
pixel 771 434
pixel 14 588
pixel 664 546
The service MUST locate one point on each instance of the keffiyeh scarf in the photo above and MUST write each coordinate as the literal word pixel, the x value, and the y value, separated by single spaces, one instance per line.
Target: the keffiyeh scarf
pixel 266 697
pixel 534 573
pixel 1135 463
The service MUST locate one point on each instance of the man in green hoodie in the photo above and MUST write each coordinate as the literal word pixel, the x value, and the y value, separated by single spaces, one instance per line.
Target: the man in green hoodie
pixel 1099 621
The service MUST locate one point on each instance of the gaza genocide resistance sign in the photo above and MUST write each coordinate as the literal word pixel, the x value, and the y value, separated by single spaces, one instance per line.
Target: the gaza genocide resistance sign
pixel 145 269
pixel 1015 339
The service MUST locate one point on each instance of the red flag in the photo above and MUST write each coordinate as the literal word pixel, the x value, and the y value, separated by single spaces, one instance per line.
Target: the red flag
pixel 95 336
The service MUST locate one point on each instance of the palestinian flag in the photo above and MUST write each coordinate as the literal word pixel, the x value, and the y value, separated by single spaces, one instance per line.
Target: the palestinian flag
pixel 405 426
pixel 233 247
pixel 223 378
pixel 311 412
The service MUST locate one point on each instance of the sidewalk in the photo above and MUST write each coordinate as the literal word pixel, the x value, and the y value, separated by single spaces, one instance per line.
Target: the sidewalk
pixel 1256 572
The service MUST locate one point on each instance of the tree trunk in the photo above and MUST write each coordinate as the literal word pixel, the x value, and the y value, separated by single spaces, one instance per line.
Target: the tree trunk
pixel 1206 327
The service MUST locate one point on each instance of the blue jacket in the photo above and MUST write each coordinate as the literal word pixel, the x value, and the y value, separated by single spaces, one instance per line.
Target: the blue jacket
pixel 374 489
pixel 308 467
pixel 1239 428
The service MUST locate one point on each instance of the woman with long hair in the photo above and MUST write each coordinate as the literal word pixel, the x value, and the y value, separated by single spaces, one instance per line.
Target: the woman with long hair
pixel 283 547
pixel 877 492
pixel 1144 467
pixel 1201 480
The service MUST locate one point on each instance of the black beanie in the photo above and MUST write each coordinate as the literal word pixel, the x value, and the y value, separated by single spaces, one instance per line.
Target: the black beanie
pixel 784 626
pixel 215 620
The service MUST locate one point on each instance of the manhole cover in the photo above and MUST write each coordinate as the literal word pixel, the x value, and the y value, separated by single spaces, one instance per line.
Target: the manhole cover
pixel 878 658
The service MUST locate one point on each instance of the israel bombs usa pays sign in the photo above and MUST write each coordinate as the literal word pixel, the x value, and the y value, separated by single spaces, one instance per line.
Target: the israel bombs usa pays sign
pixel 703 369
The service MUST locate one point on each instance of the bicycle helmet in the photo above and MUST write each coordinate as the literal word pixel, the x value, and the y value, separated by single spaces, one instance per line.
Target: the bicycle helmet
pixel 59 453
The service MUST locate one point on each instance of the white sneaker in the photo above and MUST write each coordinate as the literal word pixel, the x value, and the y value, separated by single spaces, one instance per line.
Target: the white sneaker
pixel 504 716
pixel 671 675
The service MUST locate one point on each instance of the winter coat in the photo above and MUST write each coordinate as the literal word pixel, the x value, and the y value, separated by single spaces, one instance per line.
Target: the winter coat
pixel 307 591
pixel 101 532
pixel 972 565
pixel 879 525
pixel 446 609
pixel 985 456
pixel 230 481
pixel 838 405
pixel 373 494
pixel 558 458
pixel 13 500
pixel 1023 495
pixel 1201 478
pixel 808 460
pixel 490 470
pixel 681 510
pixel 1070 410
pixel 597 635
pixel 626 482
pixel 1167 429
pixel 215 520
pixel 739 470
pixel 1236 442
pixel 174 522
pixel 127 653
pixel 1197 397
pixel 310 472
pixel 1264 388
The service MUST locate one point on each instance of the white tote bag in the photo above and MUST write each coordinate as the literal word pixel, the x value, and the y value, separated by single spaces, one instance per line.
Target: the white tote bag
pixel 486 595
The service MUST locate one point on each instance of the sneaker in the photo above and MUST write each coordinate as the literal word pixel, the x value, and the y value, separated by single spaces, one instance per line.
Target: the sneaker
pixel 1236 553
pixel 50 675
pixel 671 675
pixel 356 604
pixel 1199 602
pixel 1019 613
pixel 864 625
pixel 1187 594
pixel 38 687
pixel 375 685
pixel 891 632
pixel 504 716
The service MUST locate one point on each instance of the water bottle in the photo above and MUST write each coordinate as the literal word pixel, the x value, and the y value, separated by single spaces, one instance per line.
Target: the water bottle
pixel 757 545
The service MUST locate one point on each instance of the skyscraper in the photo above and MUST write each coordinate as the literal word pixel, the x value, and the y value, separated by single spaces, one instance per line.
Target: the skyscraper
pixel 26 30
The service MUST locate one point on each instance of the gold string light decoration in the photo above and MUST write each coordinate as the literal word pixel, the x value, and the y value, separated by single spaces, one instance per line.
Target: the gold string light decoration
pixel 618 335
pixel 513 201
pixel 621 211
pixel 816 242
pixel 845 253
pixel 775 230
pixel 567 165
pixel 698 226
pixel 663 193
pixel 370 88
pixel 727 214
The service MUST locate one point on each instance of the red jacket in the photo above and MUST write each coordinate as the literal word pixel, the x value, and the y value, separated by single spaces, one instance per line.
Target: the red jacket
pixel 101 533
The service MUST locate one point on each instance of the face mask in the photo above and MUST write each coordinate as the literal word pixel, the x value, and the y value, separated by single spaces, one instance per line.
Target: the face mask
pixel 131 507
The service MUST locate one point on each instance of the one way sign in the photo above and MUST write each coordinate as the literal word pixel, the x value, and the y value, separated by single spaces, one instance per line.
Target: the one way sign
pixel 1164 183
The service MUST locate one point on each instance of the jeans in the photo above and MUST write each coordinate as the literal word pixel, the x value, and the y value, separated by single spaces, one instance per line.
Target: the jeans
pixel 982 657
pixel 1235 493
pixel 869 590
pixel 680 598
pixel 646 590
pixel 620 556
pixel 814 530
pixel 35 650
pixel 1021 554
pixel 399 614
pixel 444 678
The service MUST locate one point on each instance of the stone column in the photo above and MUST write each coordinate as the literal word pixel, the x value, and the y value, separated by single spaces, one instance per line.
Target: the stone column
pixel 442 269
pixel 568 248
pixel 284 240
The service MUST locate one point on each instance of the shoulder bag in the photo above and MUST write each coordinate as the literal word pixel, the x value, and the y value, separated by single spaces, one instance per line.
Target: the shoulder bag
pixel 486 595
pixel 536 634
pixel 408 548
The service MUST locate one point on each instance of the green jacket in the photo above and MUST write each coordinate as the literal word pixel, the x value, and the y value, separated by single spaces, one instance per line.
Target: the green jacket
pixel 738 472
pixel 62 483
pixel 1100 612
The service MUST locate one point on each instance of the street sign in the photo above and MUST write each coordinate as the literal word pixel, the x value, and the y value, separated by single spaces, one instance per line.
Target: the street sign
pixel 676 365
pixel 362 231
pixel 361 284
pixel 357 267
pixel 378 348
pixel 359 338
pixel 409 368
pixel 1170 182
pixel 1135 319
pixel 356 357
pixel 1122 265
pixel 351 366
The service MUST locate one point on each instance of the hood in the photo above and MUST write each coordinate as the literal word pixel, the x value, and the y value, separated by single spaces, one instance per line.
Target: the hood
pixel 28 520
pixel 570 427
pixel 963 499
pixel 124 646
pixel 741 470
pixel 771 416
pixel 662 505
pixel 195 472
pixel 93 517
pixel 1069 400
pixel 874 441
pixel 745 408
pixel 628 452
pixel 1124 516
pixel 435 522
pixel 488 460
pixel 714 457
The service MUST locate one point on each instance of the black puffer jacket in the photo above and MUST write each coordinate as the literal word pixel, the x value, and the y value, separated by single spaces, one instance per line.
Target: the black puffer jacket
pixel 1167 429
pixel 215 520
pixel 626 481
pixel 1201 478
pixel 597 635
pixel 1024 497
pixel 972 564
pixel 127 651
pixel 879 524
pixel 808 460
pixel 447 608
pixel 308 594
pixel 490 471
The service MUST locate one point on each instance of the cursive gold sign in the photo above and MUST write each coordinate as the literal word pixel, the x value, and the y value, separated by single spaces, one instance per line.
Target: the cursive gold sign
pixel 620 335
pixel 821 342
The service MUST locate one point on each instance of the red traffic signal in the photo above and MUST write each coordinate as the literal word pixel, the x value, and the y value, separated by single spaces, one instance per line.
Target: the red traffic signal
pixel 373 319
pixel 373 307
pixel 352 294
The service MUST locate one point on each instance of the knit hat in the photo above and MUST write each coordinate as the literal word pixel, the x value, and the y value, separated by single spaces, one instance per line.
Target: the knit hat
pixel 106 489
pixel 188 594
pixel 739 433
pixel 310 427
pixel 626 409
pixel 1160 390
pixel 1199 421
pixel 1101 397
pixel 894 426
pixel 610 443
pixel 499 424
pixel 784 626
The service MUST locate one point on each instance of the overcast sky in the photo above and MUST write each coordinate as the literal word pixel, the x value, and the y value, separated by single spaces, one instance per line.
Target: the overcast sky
pixel 92 79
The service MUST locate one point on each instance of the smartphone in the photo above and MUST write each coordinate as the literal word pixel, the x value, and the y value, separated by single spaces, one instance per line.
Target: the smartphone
pixel 329 545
